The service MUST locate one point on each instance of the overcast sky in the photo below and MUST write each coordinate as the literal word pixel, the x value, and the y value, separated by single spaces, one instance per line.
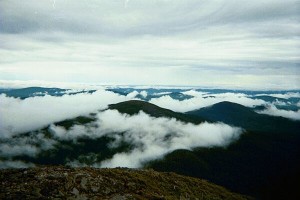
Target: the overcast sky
pixel 217 43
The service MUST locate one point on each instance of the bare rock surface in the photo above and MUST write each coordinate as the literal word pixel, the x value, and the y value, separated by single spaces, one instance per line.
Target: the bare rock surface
pixel 58 182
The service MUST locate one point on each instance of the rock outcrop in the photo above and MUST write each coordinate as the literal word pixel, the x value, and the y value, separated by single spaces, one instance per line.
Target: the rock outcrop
pixel 58 182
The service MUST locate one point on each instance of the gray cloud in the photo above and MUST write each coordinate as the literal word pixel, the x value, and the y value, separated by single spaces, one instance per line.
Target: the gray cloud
pixel 29 145
pixel 14 164
pixel 146 17
pixel 207 43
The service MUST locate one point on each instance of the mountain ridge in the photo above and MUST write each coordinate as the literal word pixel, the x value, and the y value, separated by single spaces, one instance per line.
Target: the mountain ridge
pixel 132 107
pixel 242 116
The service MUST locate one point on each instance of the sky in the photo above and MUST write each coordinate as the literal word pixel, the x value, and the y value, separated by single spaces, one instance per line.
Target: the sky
pixel 212 43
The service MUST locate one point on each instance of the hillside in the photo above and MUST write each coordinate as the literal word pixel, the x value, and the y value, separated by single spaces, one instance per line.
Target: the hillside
pixel 255 165
pixel 267 153
pixel 115 184
pixel 135 106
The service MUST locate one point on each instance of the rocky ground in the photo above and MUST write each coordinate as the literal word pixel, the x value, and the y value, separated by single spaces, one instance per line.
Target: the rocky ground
pixel 59 182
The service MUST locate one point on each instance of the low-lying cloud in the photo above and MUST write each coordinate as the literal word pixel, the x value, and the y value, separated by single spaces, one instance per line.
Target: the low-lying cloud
pixel 201 100
pixel 272 110
pixel 29 145
pixel 157 136
pixel 15 164
pixel 285 95
pixel 150 138
pixel 19 116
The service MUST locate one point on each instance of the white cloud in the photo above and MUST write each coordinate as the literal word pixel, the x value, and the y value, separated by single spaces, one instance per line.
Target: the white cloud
pixel 132 95
pixel 19 116
pixel 153 137
pixel 29 145
pixel 194 93
pixel 201 100
pixel 144 93
pixel 7 150
pixel 150 137
pixel 272 110
pixel 285 95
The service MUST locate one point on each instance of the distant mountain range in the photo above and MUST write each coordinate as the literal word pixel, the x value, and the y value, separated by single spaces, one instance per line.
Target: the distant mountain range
pixel 24 93
pixel 147 94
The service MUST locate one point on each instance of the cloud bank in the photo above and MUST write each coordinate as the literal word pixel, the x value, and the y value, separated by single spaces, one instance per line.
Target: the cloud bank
pixel 272 110
pixel 154 137
pixel 19 116
pixel 150 138
pixel 201 100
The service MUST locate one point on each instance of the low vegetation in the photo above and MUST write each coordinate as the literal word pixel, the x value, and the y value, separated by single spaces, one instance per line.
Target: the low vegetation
pixel 115 184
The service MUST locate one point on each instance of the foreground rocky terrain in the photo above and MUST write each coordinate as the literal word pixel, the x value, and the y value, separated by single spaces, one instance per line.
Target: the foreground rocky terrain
pixel 57 182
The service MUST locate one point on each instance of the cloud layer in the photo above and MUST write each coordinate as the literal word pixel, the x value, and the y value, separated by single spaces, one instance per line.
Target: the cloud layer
pixel 154 137
pixel 19 116
pixel 149 138
pixel 201 100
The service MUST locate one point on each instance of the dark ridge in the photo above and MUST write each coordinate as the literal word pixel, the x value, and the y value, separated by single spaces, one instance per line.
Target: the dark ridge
pixel 263 165
pixel 256 164
pixel 134 107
